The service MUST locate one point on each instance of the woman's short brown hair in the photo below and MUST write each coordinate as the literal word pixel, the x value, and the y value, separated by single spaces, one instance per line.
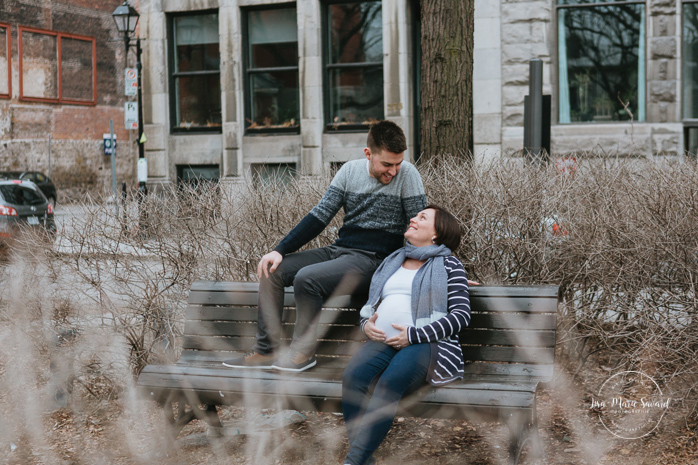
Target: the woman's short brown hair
pixel 447 228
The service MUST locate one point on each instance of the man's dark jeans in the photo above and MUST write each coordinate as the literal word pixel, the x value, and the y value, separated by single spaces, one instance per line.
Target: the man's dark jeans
pixel 315 275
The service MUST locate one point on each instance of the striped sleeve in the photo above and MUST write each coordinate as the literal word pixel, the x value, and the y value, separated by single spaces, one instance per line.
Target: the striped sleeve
pixel 458 308
pixel 363 323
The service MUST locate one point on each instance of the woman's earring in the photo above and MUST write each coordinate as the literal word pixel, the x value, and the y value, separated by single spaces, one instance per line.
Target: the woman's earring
pixel 433 240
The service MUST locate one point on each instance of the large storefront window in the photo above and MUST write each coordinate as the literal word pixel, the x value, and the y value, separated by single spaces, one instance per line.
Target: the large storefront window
pixel 195 73
pixel 601 58
pixel 354 64
pixel 272 70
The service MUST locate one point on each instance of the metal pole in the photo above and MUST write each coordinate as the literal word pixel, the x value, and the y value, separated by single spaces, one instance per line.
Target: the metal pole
pixel 49 156
pixel 535 92
pixel 142 186
pixel 141 149
pixel 113 167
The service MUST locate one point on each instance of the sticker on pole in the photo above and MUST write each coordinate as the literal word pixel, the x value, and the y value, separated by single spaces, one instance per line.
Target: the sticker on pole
pixel 630 404
pixel 131 115
pixel 142 170
pixel 108 148
pixel 131 82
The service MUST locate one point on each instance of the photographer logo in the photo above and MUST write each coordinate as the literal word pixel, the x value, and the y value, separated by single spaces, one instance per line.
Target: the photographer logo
pixel 630 404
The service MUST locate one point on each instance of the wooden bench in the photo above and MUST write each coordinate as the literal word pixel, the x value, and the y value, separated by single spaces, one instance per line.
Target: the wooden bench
pixel 508 347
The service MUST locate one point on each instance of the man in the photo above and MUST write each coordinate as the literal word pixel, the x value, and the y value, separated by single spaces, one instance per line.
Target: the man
pixel 379 196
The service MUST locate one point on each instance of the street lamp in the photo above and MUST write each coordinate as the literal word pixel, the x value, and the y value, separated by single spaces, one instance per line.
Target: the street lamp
pixel 126 18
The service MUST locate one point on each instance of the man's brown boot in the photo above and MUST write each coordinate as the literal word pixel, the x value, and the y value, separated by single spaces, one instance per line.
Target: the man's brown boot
pixel 251 359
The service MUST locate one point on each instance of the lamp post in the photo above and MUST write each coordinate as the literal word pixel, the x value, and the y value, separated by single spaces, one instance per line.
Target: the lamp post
pixel 126 18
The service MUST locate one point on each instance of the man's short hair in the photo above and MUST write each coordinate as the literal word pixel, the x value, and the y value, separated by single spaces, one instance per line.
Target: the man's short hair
pixel 386 135
pixel 447 228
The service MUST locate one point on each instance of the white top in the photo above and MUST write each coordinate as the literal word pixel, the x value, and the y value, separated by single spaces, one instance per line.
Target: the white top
pixel 396 304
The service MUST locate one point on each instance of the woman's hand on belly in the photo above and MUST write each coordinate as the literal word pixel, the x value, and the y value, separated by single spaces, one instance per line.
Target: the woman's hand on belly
pixel 401 340
pixel 372 331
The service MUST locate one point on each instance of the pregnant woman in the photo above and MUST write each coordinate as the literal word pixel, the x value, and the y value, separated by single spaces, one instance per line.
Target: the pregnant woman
pixel 418 303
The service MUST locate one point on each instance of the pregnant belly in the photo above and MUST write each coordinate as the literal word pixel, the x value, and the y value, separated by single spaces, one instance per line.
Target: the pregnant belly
pixel 394 309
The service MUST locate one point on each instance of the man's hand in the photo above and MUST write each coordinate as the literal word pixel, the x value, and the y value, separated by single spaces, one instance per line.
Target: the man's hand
pixel 401 340
pixel 372 331
pixel 269 263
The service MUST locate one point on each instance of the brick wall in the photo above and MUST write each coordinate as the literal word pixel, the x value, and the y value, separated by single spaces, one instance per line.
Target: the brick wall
pixel 78 164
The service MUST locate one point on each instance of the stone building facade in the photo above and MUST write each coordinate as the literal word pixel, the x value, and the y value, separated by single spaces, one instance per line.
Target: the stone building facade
pixel 624 97
pixel 262 87
pixel 279 104
pixel 60 76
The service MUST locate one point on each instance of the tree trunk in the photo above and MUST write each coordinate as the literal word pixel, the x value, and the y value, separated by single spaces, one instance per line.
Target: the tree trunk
pixel 447 78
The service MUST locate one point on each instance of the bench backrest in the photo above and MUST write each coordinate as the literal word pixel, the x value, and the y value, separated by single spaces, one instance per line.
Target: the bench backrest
pixel 512 332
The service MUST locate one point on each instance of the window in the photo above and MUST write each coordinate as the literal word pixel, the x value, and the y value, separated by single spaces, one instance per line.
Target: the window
pixel 197 175
pixel 353 64
pixel 690 133
pixel 16 194
pixel 271 62
pixel 5 61
pixel 56 67
pixel 601 59
pixel 265 174
pixel 195 82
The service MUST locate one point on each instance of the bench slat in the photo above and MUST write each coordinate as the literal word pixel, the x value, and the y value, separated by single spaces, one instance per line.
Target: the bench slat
pixel 514 304
pixel 532 355
pixel 230 387
pixel 478 291
pixel 472 370
pixel 539 299
pixel 238 343
pixel 217 328
pixel 513 321
pixel 539 372
pixel 327 316
pixel 508 338
pixel 251 298
pixel 210 358
pixel 323 374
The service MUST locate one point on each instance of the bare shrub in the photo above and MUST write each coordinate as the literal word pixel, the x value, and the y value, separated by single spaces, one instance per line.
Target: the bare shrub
pixel 620 239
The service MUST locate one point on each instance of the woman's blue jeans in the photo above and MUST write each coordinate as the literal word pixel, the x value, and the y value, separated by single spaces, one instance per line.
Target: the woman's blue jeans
pixel 396 374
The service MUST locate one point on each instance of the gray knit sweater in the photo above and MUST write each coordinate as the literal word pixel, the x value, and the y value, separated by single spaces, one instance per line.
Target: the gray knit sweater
pixel 376 215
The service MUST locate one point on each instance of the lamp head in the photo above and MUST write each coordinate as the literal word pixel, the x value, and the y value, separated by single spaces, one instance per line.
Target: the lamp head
pixel 126 18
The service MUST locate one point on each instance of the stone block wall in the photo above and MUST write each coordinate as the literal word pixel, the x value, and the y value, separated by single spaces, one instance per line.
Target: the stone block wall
pixel 526 34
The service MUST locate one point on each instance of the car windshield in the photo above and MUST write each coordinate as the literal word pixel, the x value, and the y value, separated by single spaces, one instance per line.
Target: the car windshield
pixel 20 195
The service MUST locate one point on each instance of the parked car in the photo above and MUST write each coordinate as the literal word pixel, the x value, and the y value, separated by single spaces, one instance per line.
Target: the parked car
pixel 23 204
pixel 42 181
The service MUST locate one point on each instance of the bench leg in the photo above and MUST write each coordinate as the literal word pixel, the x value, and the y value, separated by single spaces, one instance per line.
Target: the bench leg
pixel 523 431
pixel 209 414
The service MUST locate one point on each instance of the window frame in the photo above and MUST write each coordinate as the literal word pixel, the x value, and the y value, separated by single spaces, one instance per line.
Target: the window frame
pixel 172 75
pixel 688 123
pixel 327 66
pixel 8 34
pixel 59 36
pixel 592 4
pixel 248 71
